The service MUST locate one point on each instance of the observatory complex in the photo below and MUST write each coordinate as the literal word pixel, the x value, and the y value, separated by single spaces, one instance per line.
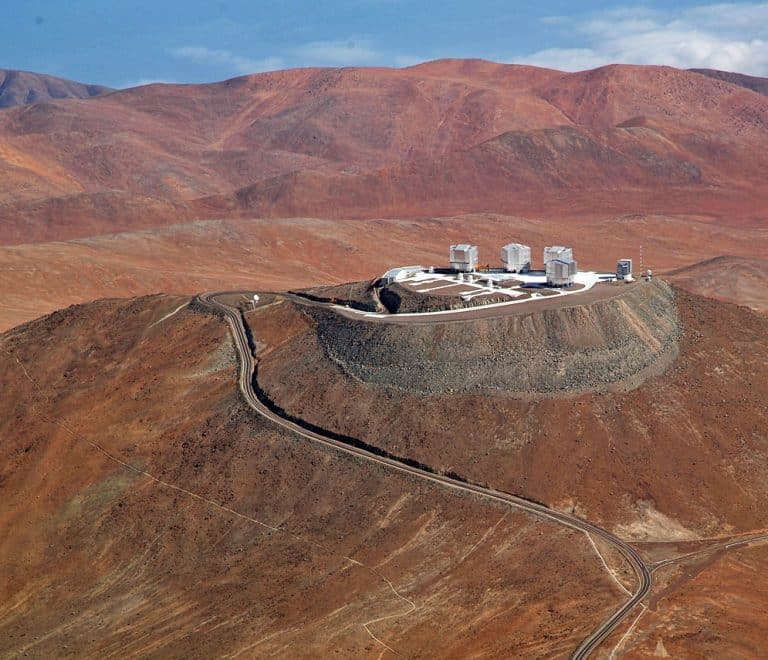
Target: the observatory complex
pixel 514 281
pixel 560 268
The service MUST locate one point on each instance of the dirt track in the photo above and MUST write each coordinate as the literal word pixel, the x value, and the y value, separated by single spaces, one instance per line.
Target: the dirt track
pixel 228 535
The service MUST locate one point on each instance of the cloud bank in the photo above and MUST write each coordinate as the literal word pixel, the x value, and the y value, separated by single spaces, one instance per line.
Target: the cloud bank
pixel 730 36
pixel 352 51
pixel 233 62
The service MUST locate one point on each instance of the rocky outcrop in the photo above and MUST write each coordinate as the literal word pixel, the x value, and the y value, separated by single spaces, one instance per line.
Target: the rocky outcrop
pixel 400 300
pixel 614 343
pixel 357 295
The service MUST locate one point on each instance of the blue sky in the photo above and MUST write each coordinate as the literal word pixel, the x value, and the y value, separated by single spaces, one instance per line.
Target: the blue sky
pixel 127 43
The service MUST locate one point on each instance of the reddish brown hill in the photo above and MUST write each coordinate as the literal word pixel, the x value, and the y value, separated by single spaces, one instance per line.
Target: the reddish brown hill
pixel 609 95
pixel 24 87
pixel 147 512
pixel 660 136
pixel 179 141
pixel 755 83
pixel 737 279
pixel 681 456
pixel 520 171
pixel 442 137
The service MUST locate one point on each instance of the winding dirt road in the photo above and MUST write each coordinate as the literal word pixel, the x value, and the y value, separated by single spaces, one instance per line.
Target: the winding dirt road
pixel 247 378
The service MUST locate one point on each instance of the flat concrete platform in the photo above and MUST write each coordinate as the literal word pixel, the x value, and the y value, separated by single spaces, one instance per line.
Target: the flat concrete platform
pixel 602 291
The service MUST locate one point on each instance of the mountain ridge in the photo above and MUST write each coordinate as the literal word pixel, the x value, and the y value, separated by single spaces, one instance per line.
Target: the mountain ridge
pixel 436 138
pixel 26 87
pixel 755 83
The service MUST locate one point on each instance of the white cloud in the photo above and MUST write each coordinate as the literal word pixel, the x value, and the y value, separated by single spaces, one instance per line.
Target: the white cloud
pixel 145 81
pixel 733 37
pixel 341 52
pixel 233 62
pixel 350 52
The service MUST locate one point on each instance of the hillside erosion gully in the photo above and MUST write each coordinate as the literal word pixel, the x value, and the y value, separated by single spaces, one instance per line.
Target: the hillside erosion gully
pixel 248 383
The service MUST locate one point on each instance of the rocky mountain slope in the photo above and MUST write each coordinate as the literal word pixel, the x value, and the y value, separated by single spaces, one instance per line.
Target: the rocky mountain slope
pixel 455 136
pixel 679 456
pixel 146 511
pixel 609 343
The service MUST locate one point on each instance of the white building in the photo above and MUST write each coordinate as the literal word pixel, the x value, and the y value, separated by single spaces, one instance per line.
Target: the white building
pixel 556 252
pixel 516 258
pixel 463 257
pixel 401 273
pixel 560 272
pixel 624 269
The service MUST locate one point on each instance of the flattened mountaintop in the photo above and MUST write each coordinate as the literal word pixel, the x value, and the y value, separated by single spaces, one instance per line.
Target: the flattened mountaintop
pixel 680 456
pixel 608 344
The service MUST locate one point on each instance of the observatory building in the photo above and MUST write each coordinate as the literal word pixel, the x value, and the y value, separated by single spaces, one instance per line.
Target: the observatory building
pixel 624 269
pixel 463 257
pixel 559 265
pixel 557 252
pixel 516 258
pixel 560 272
pixel 401 273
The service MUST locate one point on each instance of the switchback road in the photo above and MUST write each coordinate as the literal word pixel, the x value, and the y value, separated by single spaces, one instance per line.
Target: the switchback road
pixel 247 376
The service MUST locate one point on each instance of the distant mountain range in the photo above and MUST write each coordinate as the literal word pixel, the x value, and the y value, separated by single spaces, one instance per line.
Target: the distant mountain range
pixel 439 138
pixel 24 87
pixel 608 159
pixel 756 84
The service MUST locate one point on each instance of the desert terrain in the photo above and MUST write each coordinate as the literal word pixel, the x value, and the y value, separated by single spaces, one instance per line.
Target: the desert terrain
pixel 151 509
pixel 127 448
pixel 208 531
pixel 274 254
pixel 176 187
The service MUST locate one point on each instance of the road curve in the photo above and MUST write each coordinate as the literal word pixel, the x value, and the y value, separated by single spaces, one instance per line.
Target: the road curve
pixel 246 376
